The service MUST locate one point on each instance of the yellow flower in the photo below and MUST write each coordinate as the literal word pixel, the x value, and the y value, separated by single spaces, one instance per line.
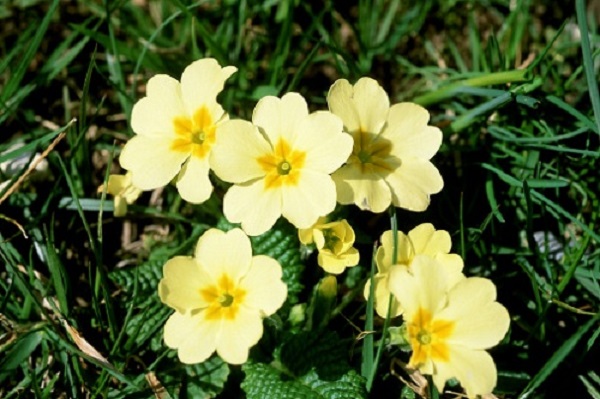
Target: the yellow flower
pixel 220 297
pixel 334 241
pixel 121 187
pixel 280 164
pixel 422 240
pixel 392 148
pixel 175 128
pixel 450 324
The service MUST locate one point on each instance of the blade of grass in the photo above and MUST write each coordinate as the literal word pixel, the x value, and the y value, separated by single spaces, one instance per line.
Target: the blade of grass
pixel 30 51
pixel 557 358
pixel 488 79
pixel 100 281
pixel 573 112
pixel 468 118
pixel 113 61
pixel 588 62
pixel 57 273
pixel 538 197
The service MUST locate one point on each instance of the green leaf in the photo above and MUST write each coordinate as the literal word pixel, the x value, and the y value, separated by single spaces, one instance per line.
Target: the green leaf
pixel 148 274
pixel 557 358
pixel 29 53
pixel 146 325
pixel 19 353
pixel 264 381
pixel 588 60
pixel 326 353
pixel 203 380
pixel 208 378
pixel 588 382
pixel 310 366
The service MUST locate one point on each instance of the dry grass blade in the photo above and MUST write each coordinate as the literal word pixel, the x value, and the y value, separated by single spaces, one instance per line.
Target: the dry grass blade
pixel 159 390
pixel 85 346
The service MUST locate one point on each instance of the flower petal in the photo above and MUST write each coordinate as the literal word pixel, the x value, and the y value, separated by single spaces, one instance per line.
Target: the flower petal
pixel 306 235
pixel 280 117
pixel 237 148
pixel 193 183
pixel 481 321
pixel 202 81
pixel 224 253
pixel 151 161
pixel 362 107
pixel 413 182
pixel 429 241
pixel 368 191
pixel 192 336
pixel 372 104
pixel 313 196
pixel 326 146
pixel 407 129
pixel 384 256
pixel 254 207
pixel 265 291
pixel 423 286
pixel 182 279
pixel 474 369
pixel 239 335
pixel 153 115
pixel 453 264
pixel 382 296
pixel 340 103
pixel 117 184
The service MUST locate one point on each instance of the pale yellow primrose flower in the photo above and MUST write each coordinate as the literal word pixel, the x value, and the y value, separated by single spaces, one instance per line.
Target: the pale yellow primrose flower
pixel 422 240
pixel 450 324
pixel 280 163
pixel 220 297
pixel 121 187
pixel 175 128
pixel 334 241
pixel 392 149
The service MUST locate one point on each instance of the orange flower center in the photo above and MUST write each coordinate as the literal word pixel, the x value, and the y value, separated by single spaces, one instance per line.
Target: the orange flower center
pixel 428 337
pixel 194 135
pixel 283 166
pixel 371 153
pixel 224 299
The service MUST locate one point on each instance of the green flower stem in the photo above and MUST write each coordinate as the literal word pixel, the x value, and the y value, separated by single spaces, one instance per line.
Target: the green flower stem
pixel 431 388
pixel 496 78
pixel 386 323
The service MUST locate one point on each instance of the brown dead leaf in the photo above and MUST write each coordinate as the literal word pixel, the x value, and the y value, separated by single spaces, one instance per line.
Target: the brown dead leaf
pixel 159 391
pixel 84 345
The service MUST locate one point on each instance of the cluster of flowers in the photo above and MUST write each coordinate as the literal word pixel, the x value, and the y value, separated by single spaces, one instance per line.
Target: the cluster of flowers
pixel 296 164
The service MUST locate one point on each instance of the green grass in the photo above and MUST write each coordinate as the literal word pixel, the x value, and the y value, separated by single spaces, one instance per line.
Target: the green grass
pixel 514 90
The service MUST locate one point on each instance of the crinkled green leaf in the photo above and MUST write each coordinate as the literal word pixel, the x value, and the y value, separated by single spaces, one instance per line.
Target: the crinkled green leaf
pixel 264 381
pixel 310 366
pixel 146 325
pixel 147 274
pixel 206 380
pixel 326 353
